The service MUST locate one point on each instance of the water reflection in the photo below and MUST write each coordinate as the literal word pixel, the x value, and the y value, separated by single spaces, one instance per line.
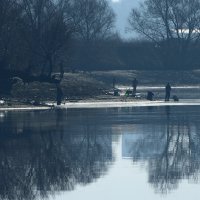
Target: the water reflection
pixel 170 149
pixel 45 152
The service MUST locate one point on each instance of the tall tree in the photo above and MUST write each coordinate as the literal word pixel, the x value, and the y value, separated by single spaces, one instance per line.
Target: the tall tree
pixel 8 20
pixel 10 43
pixel 94 21
pixel 47 28
pixel 94 18
pixel 174 26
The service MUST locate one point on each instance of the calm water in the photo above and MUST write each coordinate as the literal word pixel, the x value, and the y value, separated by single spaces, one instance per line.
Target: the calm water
pixel 86 154
pixel 183 92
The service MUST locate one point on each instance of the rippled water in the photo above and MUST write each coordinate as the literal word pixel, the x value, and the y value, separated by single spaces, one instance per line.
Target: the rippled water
pixel 114 153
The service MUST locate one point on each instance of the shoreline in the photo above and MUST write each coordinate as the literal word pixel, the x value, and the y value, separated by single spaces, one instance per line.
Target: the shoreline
pixel 104 104
pixel 136 103
pixel 108 100
pixel 25 108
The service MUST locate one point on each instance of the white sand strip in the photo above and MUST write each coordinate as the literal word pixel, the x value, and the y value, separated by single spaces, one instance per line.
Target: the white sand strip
pixel 128 104
pixel 109 104
pixel 25 108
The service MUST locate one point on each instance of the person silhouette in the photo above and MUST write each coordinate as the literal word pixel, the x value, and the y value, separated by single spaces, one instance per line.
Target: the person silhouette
pixel 59 94
pixel 167 92
pixel 134 84
pixel 150 95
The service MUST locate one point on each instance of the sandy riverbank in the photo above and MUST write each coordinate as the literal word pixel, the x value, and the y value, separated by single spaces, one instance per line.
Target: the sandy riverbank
pixel 137 103
pixel 103 104
pixel 25 108
pixel 189 95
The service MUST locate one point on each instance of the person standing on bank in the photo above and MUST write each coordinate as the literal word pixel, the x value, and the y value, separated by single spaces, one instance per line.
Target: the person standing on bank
pixel 167 92
pixel 59 94
pixel 134 84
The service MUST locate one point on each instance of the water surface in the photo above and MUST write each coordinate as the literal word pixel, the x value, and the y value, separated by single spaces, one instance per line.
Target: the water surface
pixel 108 153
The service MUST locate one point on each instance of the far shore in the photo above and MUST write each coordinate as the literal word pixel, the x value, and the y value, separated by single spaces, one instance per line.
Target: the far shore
pixel 83 90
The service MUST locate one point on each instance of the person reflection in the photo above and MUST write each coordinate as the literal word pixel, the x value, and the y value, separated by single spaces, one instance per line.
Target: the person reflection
pixel 39 162
pixel 167 111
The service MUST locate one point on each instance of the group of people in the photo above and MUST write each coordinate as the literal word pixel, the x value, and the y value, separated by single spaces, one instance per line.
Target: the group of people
pixel 150 94
pixel 168 88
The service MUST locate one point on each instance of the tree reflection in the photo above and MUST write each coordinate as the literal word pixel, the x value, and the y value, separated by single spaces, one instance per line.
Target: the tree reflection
pixel 41 153
pixel 172 150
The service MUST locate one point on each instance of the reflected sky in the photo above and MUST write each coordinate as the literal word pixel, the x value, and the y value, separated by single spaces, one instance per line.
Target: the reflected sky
pixel 98 154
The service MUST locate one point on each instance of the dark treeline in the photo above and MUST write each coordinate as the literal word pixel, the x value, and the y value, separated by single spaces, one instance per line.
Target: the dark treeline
pixel 118 54
pixel 170 39
pixel 41 37
pixel 112 54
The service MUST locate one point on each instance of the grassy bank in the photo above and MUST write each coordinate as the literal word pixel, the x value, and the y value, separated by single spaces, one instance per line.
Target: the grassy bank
pixel 96 83
pixel 74 85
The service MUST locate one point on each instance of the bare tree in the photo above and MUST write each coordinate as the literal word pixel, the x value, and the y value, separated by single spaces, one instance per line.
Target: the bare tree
pixel 94 18
pixel 34 35
pixel 47 28
pixel 8 18
pixel 9 40
pixel 174 26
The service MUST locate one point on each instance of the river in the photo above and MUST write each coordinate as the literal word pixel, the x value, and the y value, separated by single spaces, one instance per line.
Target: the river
pixel 101 153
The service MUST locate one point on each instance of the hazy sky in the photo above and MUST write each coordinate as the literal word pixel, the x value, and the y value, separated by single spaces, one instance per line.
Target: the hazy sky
pixel 122 8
